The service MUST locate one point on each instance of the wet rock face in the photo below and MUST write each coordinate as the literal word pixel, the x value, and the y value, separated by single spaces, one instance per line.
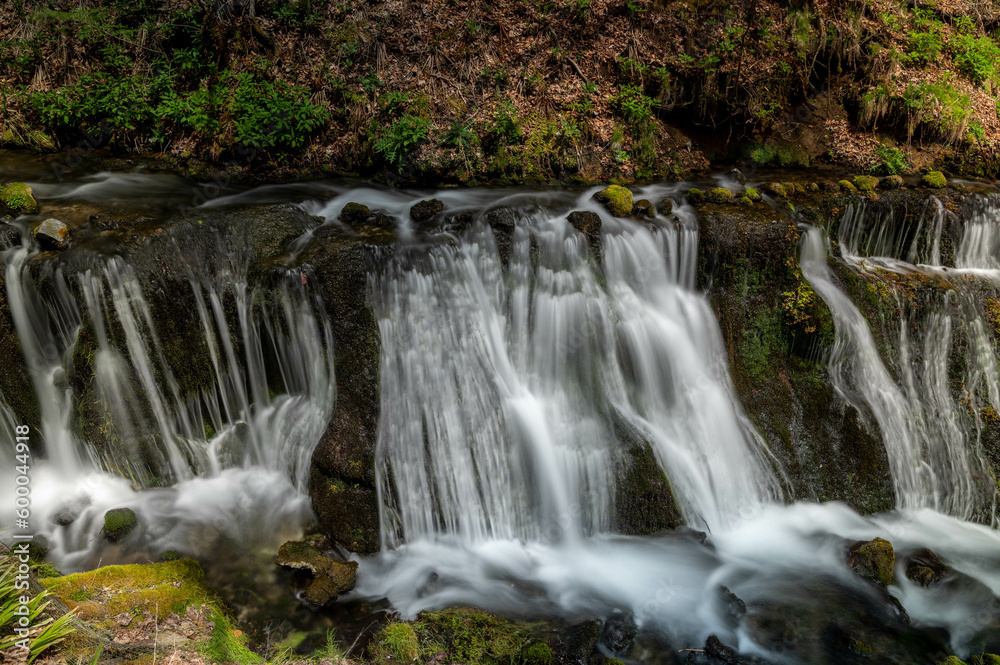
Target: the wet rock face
pixel 423 212
pixel 923 567
pixel 322 578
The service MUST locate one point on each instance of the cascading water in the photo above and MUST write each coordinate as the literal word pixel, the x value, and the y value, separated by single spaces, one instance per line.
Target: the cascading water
pixel 930 437
pixel 504 397
pixel 231 460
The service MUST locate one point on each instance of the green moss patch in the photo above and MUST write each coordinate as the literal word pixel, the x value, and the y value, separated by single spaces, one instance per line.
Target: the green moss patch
pixel 935 180
pixel 17 197
pixel 397 641
pixel 874 560
pixel 616 199
pixel 155 589
pixel 473 637
pixel 118 523
pixel 719 195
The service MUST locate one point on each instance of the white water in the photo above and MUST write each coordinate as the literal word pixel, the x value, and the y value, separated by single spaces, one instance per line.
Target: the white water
pixel 504 397
pixel 245 483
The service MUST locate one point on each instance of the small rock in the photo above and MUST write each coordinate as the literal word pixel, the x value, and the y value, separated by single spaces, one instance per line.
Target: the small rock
pixel 382 220
pixel 812 187
pixel 665 206
pixel 737 175
pixel 19 199
pixel 616 199
pixel 777 189
pixel 52 234
pixel 714 648
pixel 829 186
pixel 925 568
pixel 934 180
pixel 354 214
pixel 424 211
pixel 586 222
pixel 865 183
pixel 643 208
pixel 874 560
pixel 118 523
pixel 618 633
pixel 719 195
pixel 327 577
pixel 847 186
pixel 890 182
pixel 695 195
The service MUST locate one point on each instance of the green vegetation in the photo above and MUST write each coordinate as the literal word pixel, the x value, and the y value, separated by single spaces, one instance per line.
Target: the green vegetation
pixel 397 641
pixel 935 180
pixel 227 645
pixel 847 186
pixel 719 195
pixel 616 199
pixel 473 637
pixel 875 560
pixel 46 631
pixel 17 197
pixel 401 138
pixel 865 183
pixel 892 161
pixel 779 156
pixel 118 523
pixel 976 57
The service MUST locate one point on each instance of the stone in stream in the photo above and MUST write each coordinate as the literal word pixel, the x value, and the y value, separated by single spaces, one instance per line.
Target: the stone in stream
pixel 618 633
pixel 643 208
pixel 665 206
pixel 52 234
pixel 118 523
pixel 354 214
pixel 925 568
pixel 424 211
pixel 586 222
pixel 616 199
pixel 874 560
pixel 325 578
pixel 714 648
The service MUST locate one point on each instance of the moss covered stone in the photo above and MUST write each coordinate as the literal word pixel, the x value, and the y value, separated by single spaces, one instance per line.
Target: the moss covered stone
pixel 397 641
pixel 695 195
pixel 890 182
pixel 812 187
pixel 719 195
pixel 156 589
pixel 470 636
pixel 537 654
pixel 325 579
pixel 951 660
pixel 643 208
pixel 847 186
pixel 616 199
pixel 777 189
pixel 934 180
pixel 752 193
pixel 865 183
pixel 874 560
pixel 19 199
pixel 118 523
pixel 354 214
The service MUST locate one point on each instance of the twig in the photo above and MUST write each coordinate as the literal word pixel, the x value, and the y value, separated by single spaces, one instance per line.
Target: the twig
pixel 355 642
pixel 576 68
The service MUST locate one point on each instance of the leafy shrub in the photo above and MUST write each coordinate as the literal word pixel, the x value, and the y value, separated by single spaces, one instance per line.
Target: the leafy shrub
pixel 892 161
pixel 977 57
pixel 633 104
pixel 923 47
pixel 272 114
pixel 401 138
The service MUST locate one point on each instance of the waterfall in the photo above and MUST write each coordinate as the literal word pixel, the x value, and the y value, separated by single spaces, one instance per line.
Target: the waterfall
pixel 504 397
pixel 239 442
pixel 933 455
pixel 979 248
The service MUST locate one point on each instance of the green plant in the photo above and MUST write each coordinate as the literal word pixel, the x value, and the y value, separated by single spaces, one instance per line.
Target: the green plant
pixel 399 140
pixel 923 47
pixel 459 136
pixel 333 649
pixel 226 644
pixel 582 8
pixel 506 124
pixel 633 104
pixel 272 114
pixel 45 632
pixel 397 640
pixel 892 161
pixel 976 57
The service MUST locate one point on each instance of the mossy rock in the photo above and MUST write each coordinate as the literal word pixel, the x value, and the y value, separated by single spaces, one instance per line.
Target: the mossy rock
pixel 777 189
pixel 424 211
pixel 156 589
pixel 537 654
pixel 719 195
pixel 616 199
pixel 327 577
pixel 470 636
pixel 865 183
pixel 118 523
pixel 354 214
pixel 934 180
pixel 812 187
pixel 643 208
pixel 745 201
pixel 951 660
pixel 797 187
pixel 847 186
pixel 829 186
pixel 752 193
pixel 19 199
pixel 890 182
pixel 874 560
pixel 695 195
pixel 397 641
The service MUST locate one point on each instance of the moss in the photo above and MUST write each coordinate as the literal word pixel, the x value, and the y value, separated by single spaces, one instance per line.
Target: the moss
pixel 155 589
pixel 537 654
pixel 991 659
pixel 951 660
pixel 470 636
pixel 812 187
pixel 752 194
pixel 228 645
pixel 745 201
pixel 397 641
pixel 118 523
pixel 890 182
pixel 18 198
pixel 777 189
pixel 695 195
pixel 934 180
pixel 846 186
pixel 169 555
pixel 719 195
pixel 616 199
pixel 862 648
pixel 865 183
pixel 874 560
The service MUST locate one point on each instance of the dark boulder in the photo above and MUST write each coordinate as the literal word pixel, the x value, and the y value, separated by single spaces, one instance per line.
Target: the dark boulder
pixel 354 214
pixel 423 212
